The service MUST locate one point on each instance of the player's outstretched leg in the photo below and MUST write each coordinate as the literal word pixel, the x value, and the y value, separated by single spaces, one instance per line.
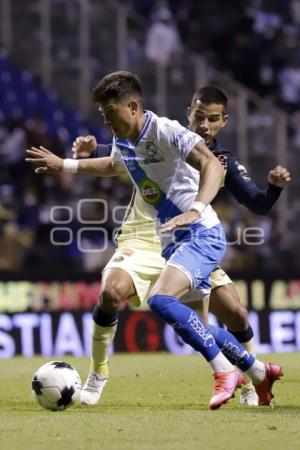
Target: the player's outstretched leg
pixel 262 375
pixel 193 331
pixel 248 395
pixel 104 330
pixel 226 305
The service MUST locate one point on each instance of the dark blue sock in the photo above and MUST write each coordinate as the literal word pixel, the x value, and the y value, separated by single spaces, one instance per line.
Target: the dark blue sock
pixel 186 323
pixel 231 348
pixel 103 319
pixel 243 336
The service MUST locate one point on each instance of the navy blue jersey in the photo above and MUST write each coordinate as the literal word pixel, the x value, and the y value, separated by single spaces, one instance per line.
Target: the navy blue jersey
pixel 239 183
pixel 237 180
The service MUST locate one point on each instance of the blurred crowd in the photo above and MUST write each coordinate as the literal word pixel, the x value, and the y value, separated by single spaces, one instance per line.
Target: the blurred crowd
pixel 41 216
pixel 255 41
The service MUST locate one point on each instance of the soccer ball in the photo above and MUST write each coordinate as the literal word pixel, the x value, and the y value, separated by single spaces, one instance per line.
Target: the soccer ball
pixel 56 385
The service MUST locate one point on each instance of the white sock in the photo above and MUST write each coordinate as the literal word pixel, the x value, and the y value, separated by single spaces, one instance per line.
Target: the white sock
pixel 257 372
pixel 250 347
pixel 221 364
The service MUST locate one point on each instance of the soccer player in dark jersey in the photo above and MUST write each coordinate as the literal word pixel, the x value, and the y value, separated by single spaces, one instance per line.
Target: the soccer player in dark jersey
pixel 207 116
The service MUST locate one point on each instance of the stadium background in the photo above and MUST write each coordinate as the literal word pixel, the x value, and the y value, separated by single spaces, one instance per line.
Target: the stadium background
pixel 52 54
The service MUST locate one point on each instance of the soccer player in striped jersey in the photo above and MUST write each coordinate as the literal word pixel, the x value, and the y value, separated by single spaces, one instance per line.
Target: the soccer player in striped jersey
pixel 141 258
pixel 169 195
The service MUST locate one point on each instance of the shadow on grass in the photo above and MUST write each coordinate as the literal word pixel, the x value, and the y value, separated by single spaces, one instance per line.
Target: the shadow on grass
pixel 154 406
pixel 282 409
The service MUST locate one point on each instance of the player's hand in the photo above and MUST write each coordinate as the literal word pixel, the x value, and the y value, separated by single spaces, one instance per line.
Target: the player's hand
pixel 180 221
pixel 83 146
pixel 46 161
pixel 279 176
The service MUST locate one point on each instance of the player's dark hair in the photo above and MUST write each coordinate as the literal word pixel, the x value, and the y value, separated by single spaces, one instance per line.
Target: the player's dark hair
pixel 210 94
pixel 117 85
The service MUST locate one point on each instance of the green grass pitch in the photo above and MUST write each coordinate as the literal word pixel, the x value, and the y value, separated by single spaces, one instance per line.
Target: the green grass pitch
pixel 152 402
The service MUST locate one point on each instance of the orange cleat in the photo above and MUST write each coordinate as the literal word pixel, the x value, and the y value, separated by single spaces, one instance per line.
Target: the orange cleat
pixel 224 387
pixel 264 389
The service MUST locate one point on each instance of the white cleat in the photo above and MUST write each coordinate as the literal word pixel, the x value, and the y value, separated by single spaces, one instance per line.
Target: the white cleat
pixel 248 396
pixel 92 389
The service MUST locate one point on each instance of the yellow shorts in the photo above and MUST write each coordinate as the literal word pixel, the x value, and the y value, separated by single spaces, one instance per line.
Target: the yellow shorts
pixel 144 267
pixel 219 278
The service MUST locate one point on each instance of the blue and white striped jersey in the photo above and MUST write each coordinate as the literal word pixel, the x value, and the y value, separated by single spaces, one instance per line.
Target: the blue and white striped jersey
pixel 157 167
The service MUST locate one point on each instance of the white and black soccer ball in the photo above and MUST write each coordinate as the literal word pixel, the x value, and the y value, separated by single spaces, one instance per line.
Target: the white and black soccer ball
pixel 56 385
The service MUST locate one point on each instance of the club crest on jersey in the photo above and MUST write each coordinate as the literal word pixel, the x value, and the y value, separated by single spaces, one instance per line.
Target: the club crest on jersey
pixel 122 254
pixel 223 159
pixel 152 154
pixel 150 191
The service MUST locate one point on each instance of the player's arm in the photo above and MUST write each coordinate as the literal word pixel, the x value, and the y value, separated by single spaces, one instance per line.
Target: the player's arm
pixel 87 147
pixel 212 173
pixel 211 170
pixel 259 201
pixel 47 162
pixel 101 151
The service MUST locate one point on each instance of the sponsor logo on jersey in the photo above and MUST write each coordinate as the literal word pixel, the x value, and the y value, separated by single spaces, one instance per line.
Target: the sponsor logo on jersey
pixel 150 191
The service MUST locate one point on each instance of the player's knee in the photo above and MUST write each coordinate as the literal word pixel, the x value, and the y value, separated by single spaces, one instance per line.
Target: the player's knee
pixel 161 304
pixel 111 298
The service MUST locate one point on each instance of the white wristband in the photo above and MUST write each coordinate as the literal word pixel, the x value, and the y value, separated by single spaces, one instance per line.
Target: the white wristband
pixel 199 207
pixel 70 165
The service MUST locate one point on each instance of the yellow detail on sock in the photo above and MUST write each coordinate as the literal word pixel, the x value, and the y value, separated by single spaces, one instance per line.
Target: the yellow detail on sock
pixel 250 346
pixel 100 368
pixel 102 338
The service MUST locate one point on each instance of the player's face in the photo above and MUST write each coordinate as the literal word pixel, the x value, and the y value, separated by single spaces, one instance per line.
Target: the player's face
pixel 120 116
pixel 206 120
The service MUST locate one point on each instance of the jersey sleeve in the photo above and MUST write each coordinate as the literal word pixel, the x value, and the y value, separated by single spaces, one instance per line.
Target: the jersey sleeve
pixel 175 136
pixel 246 192
pixel 101 151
